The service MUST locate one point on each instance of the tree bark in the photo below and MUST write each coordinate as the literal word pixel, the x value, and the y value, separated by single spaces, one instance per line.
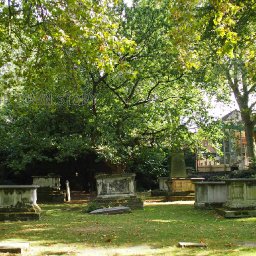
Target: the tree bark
pixel 249 134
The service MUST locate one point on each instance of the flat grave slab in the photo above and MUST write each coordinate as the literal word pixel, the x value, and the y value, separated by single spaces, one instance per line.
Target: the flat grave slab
pixel 112 210
pixel 191 245
pixel 13 247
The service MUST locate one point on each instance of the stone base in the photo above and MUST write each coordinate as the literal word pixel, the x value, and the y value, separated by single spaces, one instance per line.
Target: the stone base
pixel 49 195
pixel 23 216
pixel 172 198
pixel 242 213
pixel 132 202
pixel 208 205
pixel 159 193
pixel 182 186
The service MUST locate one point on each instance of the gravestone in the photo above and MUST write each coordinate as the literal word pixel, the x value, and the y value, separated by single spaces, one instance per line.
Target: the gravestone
pixel 178 166
pixel 19 202
pixel 163 183
pixel 117 189
pixel 49 189
pixel 179 184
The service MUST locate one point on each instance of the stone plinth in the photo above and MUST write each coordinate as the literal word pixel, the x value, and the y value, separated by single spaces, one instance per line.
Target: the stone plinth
pixel 163 183
pixel 18 202
pixel 210 194
pixel 115 185
pixel 182 186
pixel 241 194
pixel 49 190
pixel 117 189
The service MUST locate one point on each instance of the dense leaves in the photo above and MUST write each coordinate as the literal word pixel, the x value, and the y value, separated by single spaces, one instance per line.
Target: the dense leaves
pixel 97 76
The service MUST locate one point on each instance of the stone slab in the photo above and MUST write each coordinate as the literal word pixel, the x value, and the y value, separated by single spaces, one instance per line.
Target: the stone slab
pixel 248 244
pixel 191 245
pixel 112 210
pixel 240 213
pixel 13 247
pixel 131 202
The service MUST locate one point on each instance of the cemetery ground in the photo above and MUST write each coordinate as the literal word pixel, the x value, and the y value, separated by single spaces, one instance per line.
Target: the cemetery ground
pixel 66 229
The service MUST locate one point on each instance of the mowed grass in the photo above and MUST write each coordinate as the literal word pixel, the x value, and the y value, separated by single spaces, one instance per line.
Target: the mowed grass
pixel 156 226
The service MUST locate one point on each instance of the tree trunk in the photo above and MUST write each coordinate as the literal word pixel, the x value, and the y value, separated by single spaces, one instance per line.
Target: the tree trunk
pixel 249 134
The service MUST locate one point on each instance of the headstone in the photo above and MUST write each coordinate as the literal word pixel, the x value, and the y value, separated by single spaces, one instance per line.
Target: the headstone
pixel 112 210
pixel 163 183
pixel 178 167
pixel 68 198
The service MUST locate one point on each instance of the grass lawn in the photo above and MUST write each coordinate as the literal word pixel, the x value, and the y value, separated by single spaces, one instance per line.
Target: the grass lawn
pixel 67 230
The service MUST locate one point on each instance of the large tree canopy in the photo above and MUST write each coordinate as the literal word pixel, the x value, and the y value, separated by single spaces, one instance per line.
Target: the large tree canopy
pixel 98 76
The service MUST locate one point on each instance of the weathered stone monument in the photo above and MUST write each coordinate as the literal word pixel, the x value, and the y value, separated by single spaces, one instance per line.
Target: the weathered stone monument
pixel 49 189
pixel 179 184
pixel 241 198
pixel 19 202
pixel 117 189
pixel 210 194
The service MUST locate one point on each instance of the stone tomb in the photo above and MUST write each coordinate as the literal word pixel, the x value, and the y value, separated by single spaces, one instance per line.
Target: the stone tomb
pixel 49 189
pixel 19 202
pixel 241 198
pixel 117 189
pixel 210 194
pixel 180 186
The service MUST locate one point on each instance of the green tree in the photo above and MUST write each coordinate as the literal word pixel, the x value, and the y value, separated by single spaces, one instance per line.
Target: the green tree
pixel 221 52
pixel 140 96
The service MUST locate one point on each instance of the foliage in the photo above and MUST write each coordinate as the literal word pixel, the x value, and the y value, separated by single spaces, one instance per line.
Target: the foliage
pixel 224 50
pixel 140 97
pixel 92 206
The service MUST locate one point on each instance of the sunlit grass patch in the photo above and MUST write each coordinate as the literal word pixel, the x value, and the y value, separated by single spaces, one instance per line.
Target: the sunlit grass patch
pixel 156 227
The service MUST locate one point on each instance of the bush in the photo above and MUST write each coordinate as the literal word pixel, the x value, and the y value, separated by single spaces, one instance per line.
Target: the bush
pixel 92 206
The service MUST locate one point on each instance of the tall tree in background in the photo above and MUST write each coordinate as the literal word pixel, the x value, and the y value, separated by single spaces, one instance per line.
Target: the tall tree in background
pixel 221 52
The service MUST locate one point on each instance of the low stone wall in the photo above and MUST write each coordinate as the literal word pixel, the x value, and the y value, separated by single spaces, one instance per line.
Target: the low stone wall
pixel 210 194
pixel 18 202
